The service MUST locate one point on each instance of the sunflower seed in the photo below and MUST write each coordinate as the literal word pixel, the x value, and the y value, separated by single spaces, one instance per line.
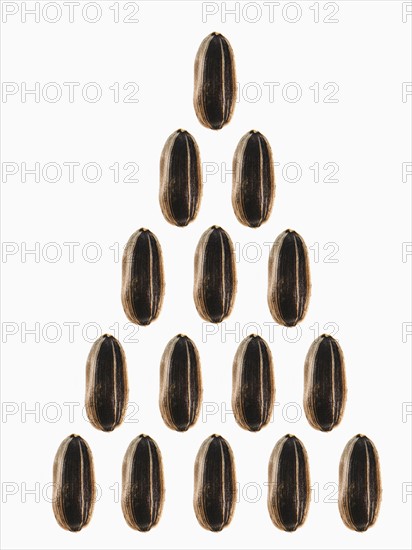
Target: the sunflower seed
pixel 215 275
pixel 289 484
pixel 142 484
pixel 215 484
pixel 215 82
pixel 180 384
pixel 325 384
pixel 142 278
pixel 253 186
pixel 106 384
pixel 289 279
pixel 360 488
pixel 73 484
pixel 180 179
pixel 253 392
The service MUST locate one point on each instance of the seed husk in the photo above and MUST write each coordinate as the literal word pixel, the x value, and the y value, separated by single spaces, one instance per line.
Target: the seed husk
pixel 215 489
pixel 106 384
pixel 289 484
pixel 325 384
pixel 180 384
pixel 142 484
pixel 73 484
pixel 215 86
pixel 215 275
pixel 253 385
pixel 180 179
pixel 289 279
pixel 142 278
pixel 253 186
pixel 360 490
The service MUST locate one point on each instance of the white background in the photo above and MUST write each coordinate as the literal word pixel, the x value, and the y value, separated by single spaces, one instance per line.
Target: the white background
pixel 365 293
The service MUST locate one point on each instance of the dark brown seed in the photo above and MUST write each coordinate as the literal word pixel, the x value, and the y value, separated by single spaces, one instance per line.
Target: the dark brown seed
pixel 325 384
pixel 215 275
pixel 253 187
pixel 142 484
pixel 106 384
pixel 289 484
pixel 360 488
pixel 215 484
pixel 73 484
pixel 180 179
pixel 180 384
pixel 215 82
pixel 142 278
pixel 289 279
pixel 253 386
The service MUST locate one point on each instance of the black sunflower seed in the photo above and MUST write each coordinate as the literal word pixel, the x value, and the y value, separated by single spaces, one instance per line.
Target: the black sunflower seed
pixel 180 384
pixel 106 384
pixel 253 187
pixel 180 179
pixel 253 386
pixel 360 488
pixel 289 484
pixel 215 275
pixel 142 278
pixel 73 484
pixel 289 279
pixel 142 484
pixel 325 384
pixel 215 484
pixel 215 82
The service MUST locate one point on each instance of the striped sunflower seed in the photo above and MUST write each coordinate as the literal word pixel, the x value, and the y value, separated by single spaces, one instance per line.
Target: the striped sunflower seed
pixel 289 484
pixel 142 484
pixel 360 488
pixel 215 87
pixel 325 384
pixel 215 275
pixel 142 278
pixel 289 279
pixel 180 179
pixel 253 386
pixel 253 186
pixel 180 384
pixel 215 490
pixel 73 484
pixel 106 384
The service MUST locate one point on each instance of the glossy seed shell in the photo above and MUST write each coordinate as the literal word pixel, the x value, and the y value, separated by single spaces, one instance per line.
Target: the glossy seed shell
pixel 215 275
pixel 253 385
pixel 142 278
pixel 289 279
pixel 142 484
pixel 73 484
pixel 289 484
pixel 106 384
pixel 215 484
pixel 180 384
pixel 215 86
pixel 180 179
pixel 253 185
pixel 325 384
pixel 360 490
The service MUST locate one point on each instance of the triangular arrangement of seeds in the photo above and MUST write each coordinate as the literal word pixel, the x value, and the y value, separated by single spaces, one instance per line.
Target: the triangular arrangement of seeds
pixel 214 293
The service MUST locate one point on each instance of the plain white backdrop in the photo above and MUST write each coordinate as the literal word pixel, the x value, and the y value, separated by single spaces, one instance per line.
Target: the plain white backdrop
pixel 356 224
